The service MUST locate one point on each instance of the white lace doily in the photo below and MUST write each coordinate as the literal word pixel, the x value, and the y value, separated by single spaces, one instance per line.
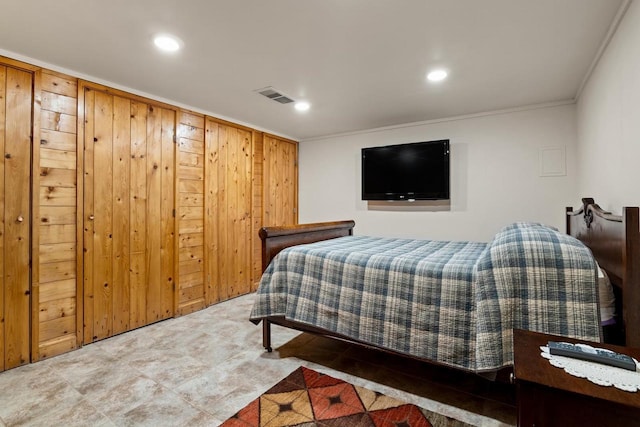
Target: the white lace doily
pixel 597 373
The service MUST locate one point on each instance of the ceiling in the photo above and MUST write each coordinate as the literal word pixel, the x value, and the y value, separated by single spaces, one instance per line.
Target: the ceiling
pixel 360 63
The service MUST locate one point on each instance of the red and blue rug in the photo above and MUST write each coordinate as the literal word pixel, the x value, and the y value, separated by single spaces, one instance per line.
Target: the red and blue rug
pixel 309 398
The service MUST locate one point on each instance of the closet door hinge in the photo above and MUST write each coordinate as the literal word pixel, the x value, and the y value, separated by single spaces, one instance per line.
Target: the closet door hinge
pixel 175 139
pixel 173 212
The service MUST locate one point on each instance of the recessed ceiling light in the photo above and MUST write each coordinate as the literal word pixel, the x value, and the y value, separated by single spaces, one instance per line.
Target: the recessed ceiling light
pixel 437 75
pixel 166 42
pixel 302 106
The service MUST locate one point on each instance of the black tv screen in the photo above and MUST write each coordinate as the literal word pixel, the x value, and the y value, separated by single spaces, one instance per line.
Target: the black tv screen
pixel 416 171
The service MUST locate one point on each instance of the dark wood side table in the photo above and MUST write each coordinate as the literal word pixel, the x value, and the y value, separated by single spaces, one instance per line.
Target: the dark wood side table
pixel 548 396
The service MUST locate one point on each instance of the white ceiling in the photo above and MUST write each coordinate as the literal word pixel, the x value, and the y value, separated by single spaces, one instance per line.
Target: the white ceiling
pixel 360 63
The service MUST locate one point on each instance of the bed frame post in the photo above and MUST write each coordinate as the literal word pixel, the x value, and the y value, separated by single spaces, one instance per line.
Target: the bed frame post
pixel 567 218
pixel 266 335
pixel 631 273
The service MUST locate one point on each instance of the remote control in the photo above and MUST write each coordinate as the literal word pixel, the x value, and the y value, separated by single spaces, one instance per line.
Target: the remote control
pixel 586 352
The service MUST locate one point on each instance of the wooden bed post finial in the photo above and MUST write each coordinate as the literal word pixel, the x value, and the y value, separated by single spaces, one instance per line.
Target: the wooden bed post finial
pixel 586 201
pixel 588 213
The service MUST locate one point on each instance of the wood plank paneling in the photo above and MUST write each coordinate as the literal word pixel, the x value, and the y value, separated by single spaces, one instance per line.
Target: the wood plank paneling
pixel 154 187
pixel 56 252
pixel 138 281
pixel 257 207
pixel 212 288
pixel 57 140
pixel 51 177
pixel 3 110
pixel 57 196
pixel 89 98
pixel 55 183
pixel 191 266
pixel 130 251
pixel 202 185
pixel 138 180
pixel 59 103
pixel 59 84
pixel 191 293
pixel 16 118
pixel 167 214
pixel 53 291
pixel 52 158
pixel 190 145
pixel 188 280
pixel 228 200
pixel 58 121
pixel 57 233
pixel 121 253
pixel 191 226
pixel 64 307
pixel 191 159
pixel 245 223
pixel 57 169
pixel 194 123
pixel 190 172
pixel 58 215
pixel 190 211
pixel 190 186
pixel 192 253
pixel 278 178
pixel 102 191
pixel 281 181
pixel 52 329
pixel 188 240
pixel 58 345
pixel 138 236
pixel 55 271
pixel 190 200
pixel 191 306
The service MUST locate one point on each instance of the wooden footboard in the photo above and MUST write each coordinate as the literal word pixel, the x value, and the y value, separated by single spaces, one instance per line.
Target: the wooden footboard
pixel 275 239
pixel 614 241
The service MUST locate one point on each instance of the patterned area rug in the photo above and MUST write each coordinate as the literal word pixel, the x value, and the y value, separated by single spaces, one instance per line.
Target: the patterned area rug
pixel 309 398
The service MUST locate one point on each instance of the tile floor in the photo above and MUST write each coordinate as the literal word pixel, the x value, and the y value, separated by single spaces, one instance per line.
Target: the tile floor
pixel 200 369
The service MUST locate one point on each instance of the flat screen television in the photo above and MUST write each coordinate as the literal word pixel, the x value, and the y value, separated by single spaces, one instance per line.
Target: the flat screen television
pixel 415 171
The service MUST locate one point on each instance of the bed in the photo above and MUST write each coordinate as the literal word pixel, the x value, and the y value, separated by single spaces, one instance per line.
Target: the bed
pixel 450 303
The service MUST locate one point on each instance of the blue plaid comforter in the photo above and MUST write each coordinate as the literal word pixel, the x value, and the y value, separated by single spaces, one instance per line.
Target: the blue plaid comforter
pixel 456 303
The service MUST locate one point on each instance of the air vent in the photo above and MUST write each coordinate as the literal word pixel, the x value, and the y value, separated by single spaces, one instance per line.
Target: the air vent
pixel 274 94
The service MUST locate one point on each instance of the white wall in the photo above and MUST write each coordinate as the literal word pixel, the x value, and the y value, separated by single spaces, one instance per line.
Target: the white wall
pixel 608 121
pixel 494 176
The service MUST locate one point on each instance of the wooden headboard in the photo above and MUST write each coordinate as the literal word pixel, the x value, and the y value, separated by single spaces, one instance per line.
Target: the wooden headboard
pixel 614 241
pixel 275 239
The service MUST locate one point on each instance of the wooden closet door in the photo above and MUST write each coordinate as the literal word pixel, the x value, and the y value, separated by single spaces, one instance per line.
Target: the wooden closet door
pixel 228 214
pixel 129 217
pixel 280 182
pixel 16 103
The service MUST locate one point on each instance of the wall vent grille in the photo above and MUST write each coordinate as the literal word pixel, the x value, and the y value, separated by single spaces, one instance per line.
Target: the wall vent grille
pixel 274 95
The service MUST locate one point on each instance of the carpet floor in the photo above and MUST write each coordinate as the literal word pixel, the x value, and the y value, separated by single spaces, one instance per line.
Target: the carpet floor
pixel 308 398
